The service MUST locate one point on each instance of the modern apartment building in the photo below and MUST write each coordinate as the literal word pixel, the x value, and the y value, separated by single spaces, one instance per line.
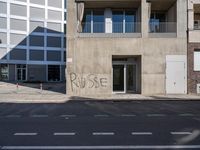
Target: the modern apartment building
pixel 126 46
pixel 33 41
pixel 194 46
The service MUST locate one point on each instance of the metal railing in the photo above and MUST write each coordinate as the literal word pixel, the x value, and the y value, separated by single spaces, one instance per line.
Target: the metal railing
pixel 162 27
pixel 196 24
pixel 115 27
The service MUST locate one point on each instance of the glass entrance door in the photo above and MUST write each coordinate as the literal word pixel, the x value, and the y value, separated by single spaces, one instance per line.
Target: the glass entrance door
pixel 124 78
pixel 118 78
pixel 21 72
pixel 131 78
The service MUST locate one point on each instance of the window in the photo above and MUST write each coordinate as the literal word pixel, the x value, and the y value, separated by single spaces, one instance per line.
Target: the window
pixel 124 21
pixel 118 19
pixel 3 72
pixel 53 73
pixel 157 22
pixel 21 72
pixel 93 21
pixel 197 60
pixel 87 18
pixel 98 21
pixel 197 21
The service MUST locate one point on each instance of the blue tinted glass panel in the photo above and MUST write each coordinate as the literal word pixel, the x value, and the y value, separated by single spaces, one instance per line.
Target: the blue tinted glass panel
pixel 98 21
pixel 117 19
pixel 130 25
pixel 86 23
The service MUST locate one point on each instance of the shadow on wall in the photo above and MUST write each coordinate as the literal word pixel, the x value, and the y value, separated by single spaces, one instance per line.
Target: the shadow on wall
pixel 45 59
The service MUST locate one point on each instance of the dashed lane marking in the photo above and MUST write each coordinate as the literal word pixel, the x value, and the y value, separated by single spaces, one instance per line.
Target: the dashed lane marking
pixel 128 115
pixel 186 115
pixel 39 116
pixel 156 115
pixel 67 116
pixel 181 133
pixel 13 116
pixel 103 133
pixel 141 133
pixel 101 115
pixel 25 134
pixel 65 133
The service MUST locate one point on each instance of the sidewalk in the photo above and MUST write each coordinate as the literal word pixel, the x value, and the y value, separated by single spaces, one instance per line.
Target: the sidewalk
pixel 62 98
pixel 55 93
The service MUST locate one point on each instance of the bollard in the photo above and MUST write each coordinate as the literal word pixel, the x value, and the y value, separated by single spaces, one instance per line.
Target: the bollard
pixel 17 86
pixel 41 88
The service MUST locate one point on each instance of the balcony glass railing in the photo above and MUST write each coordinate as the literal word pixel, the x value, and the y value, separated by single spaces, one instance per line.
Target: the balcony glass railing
pixel 115 27
pixel 197 24
pixel 162 27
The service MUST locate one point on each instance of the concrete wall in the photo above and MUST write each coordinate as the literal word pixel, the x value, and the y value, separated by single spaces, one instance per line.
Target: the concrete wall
pixel 89 71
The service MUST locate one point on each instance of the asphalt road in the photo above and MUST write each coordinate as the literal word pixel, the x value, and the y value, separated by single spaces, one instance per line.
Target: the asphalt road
pixel 101 125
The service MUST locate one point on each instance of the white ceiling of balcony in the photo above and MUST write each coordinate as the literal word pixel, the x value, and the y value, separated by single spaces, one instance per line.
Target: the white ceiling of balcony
pixel 162 5
pixel 113 4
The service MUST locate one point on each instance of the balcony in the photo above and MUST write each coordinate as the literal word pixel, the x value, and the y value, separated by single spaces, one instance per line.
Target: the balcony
pixel 115 27
pixel 162 27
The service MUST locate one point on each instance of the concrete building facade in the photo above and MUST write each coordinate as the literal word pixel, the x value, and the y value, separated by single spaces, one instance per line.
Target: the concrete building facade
pixel 33 41
pixel 126 46
pixel 194 46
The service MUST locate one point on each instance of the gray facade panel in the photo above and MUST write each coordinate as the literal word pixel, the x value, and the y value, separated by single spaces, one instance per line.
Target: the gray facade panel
pixel 53 3
pixel 37 73
pixel 40 2
pixel 54 15
pixel 36 26
pixel 11 72
pixel 53 56
pixel 53 41
pixel 63 77
pixel 18 54
pixel 21 0
pixel 3 38
pixel 16 24
pixel 37 13
pixel 53 27
pixel 3 24
pixel 18 39
pixel 3 8
pixel 37 55
pixel 14 10
pixel 3 53
pixel 36 40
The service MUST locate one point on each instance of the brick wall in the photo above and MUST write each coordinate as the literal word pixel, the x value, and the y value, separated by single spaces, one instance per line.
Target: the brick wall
pixel 193 76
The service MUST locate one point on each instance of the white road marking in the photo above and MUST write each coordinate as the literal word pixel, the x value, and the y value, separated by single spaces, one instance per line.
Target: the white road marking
pixel 156 115
pixel 67 133
pixel 180 133
pixel 101 115
pixel 13 116
pixel 39 116
pixel 127 115
pixel 64 116
pixel 103 133
pixel 141 133
pixel 106 147
pixel 25 134
pixel 186 114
